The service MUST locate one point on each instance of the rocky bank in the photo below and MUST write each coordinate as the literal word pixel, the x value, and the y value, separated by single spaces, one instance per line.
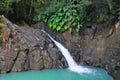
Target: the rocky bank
pixel 31 49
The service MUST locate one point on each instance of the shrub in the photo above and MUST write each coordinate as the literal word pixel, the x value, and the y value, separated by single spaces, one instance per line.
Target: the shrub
pixel 57 16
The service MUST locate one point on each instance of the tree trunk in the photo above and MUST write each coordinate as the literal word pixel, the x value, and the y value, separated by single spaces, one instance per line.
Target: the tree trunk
pixel 69 36
pixel 110 4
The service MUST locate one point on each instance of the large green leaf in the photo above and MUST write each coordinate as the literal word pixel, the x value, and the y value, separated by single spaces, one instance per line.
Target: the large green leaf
pixel 62 23
pixel 60 14
pixel 58 28
pixel 54 26
pixel 67 13
pixel 66 27
pixel 50 25
pixel 57 19
pixel 65 9
pixel 74 10
pixel 77 30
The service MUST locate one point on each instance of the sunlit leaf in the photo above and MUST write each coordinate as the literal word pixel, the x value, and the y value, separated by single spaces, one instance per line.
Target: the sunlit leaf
pixel 77 30
pixel 66 27
pixel 60 9
pixel 58 28
pixel 54 26
pixel 50 25
pixel 62 23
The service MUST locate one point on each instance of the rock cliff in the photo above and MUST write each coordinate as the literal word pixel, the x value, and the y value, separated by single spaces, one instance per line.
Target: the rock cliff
pixel 31 49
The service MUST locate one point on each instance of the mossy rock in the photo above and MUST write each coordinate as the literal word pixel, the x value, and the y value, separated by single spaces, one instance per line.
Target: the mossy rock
pixel 2 25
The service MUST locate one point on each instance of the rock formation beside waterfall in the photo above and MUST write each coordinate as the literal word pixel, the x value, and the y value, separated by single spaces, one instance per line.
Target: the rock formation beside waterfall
pixel 31 49
pixel 101 51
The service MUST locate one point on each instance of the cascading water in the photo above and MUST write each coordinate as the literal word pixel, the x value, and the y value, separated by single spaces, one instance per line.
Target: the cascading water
pixel 73 66
pixel 90 73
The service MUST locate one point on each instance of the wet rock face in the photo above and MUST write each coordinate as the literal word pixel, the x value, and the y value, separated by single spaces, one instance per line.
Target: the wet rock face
pixel 100 51
pixel 31 49
pixel 2 62
pixel 112 63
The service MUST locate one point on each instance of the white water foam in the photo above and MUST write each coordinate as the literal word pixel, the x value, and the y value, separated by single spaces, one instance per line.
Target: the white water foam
pixel 73 66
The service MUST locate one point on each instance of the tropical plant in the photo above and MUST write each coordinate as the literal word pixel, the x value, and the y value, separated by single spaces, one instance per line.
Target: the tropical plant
pixel 59 15
pixel 18 10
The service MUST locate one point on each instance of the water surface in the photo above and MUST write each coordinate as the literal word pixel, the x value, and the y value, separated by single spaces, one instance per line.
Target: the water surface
pixel 57 74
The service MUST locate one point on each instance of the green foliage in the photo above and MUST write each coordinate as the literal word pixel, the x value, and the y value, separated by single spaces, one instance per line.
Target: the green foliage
pixel 58 16
pixel 116 7
pixel 59 21
pixel 50 7
pixel 5 6
pixel 98 12
pixel 19 10
pixel 103 17
pixel 58 13
pixel 1 26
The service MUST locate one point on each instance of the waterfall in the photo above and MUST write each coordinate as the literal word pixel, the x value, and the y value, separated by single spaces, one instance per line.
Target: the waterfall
pixel 73 66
